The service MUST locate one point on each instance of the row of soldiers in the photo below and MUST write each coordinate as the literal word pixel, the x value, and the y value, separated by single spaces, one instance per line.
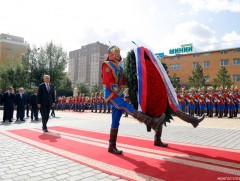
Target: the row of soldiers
pixel 222 101
pixel 81 102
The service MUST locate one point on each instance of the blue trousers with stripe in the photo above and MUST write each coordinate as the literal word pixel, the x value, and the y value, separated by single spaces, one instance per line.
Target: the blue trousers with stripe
pixel 118 105
pixel 202 106
pixel 220 107
pixel 210 107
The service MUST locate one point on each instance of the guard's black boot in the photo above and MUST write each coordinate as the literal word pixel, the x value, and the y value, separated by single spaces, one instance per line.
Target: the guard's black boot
pixel 189 119
pixel 192 112
pixel 112 142
pixel 210 113
pixel 154 123
pixel 216 113
pixel 207 112
pixel 157 138
pixel 220 114
pixel 230 114
pixel 149 128
pixel 225 113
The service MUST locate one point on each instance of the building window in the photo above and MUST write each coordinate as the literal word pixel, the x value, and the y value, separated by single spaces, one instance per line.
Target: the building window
pixel 236 78
pixel 175 67
pixel 236 51
pixel 206 64
pixel 207 54
pixel 236 61
pixel 224 62
pixel 195 64
pixel 174 58
pixel 196 55
pixel 207 78
pixel 224 52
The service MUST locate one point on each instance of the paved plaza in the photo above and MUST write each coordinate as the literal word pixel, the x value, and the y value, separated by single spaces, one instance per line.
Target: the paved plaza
pixel 20 161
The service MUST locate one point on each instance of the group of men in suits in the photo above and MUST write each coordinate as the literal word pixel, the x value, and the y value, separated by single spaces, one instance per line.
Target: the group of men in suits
pixel 22 101
pixel 42 99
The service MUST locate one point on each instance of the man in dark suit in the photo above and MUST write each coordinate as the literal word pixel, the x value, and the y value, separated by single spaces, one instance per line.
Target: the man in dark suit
pixel 1 96
pixel 20 101
pixel 34 106
pixel 46 100
pixel 8 103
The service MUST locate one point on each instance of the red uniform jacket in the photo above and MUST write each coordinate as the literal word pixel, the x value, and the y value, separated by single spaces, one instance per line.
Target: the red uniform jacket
pixel 110 79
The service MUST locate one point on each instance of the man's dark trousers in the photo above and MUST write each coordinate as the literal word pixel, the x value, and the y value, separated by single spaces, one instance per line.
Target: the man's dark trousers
pixel 34 112
pixel 45 110
pixel 20 112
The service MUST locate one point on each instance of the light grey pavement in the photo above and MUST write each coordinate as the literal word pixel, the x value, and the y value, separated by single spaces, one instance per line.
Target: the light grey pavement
pixel 20 161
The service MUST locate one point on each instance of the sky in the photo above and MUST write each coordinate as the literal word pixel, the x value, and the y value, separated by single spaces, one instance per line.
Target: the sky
pixel 156 24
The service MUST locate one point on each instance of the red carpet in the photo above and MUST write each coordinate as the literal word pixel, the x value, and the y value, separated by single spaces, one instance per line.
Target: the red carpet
pixel 140 161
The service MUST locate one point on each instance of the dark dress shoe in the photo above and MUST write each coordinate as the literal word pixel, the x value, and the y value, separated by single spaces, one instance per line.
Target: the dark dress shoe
pixel 45 130
pixel 160 144
pixel 10 121
pixel 23 120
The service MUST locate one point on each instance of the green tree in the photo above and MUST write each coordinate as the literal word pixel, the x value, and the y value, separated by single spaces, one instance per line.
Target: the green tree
pixel 51 60
pixel 13 74
pixel 197 79
pixel 65 83
pixel 165 67
pixel 83 88
pixel 175 81
pixel 95 89
pixel 223 78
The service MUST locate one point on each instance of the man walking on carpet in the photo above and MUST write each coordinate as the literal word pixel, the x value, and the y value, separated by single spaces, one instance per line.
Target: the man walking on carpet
pixel 46 100
pixel 113 79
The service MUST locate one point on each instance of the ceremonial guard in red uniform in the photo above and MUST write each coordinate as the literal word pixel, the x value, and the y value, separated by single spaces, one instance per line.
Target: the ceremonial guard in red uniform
pixel 71 103
pixel 78 104
pixel 113 79
pixel 226 101
pixel 220 100
pixel 215 97
pixel 102 103
pixel 191 101
pixel 58 103
pixel 181 98
pixel 75 98
pixel 209 101
pixel 84 100
pixel 63 103
pixel 231 102
pixel 97 101
pixel 201 99
pixel 92 102
pixel 236 97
